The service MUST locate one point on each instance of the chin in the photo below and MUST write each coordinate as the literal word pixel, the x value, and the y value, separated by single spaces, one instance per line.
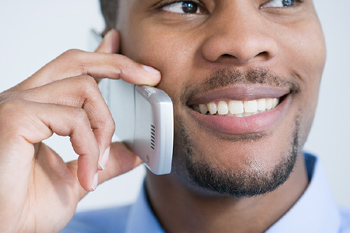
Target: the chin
pixel 246 165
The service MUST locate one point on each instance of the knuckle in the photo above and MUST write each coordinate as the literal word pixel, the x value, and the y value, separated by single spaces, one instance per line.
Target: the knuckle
pixel 107 124
pixel 79 114
pixel 110 124
pixel 81 118
pixel 10 105
pixel 123 61
pixel 88 85
pixel 71 53
pixel 11 110
pixel 75 57
pixel 89 80
pixel 104 122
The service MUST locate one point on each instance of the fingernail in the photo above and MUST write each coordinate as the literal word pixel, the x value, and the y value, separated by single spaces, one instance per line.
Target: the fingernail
pixel 104 159
pixel 151 70
pixel 109 33
pixel 95 182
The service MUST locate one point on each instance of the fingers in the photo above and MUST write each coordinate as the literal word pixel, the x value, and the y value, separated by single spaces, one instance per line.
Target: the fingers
pixel 64 99
pixel 102 64
pixel 80 92
pixel 110 43
pixel 31 123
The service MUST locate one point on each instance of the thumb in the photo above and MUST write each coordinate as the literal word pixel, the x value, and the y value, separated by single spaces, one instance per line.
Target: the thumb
pixel 110 43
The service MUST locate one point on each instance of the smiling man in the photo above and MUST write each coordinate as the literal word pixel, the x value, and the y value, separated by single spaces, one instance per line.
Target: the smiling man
pixel 244 78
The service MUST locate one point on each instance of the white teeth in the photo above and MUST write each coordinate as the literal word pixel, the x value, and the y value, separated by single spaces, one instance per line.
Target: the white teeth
pixel 222 108
pixel 203 109
pixel 250 106
pixel 236 107
pixel 261 104
pixel 268 104
pixel 274 103
pixel 212 108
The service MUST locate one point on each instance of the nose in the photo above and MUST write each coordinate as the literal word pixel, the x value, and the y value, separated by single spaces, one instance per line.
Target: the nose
pixel 239 35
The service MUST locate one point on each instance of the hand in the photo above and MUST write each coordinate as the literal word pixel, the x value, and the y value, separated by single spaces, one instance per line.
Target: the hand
pixel 38 191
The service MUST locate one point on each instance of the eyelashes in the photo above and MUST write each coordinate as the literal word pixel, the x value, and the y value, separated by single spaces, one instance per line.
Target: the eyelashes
pixel 281 3
pixel 197 7
pixel 182 7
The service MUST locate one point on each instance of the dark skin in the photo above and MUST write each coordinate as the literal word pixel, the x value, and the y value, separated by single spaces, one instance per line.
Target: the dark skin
pixel 190 212
pixel 235 35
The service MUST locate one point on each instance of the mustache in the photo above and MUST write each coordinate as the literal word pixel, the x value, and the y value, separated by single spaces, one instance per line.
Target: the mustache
pixel 221 78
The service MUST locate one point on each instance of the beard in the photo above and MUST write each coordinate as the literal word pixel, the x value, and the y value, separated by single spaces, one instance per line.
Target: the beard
pixel 245 181
pixel 240 182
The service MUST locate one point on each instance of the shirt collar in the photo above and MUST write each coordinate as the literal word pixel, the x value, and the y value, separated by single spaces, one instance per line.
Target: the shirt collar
pixel 141 217
pixel 315 211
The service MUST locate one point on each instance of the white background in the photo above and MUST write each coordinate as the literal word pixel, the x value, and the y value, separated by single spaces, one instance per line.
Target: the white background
pixel 35 32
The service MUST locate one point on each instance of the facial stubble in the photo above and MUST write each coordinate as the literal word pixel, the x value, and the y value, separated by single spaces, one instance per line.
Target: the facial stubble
pixel 248 180
pixel 230 181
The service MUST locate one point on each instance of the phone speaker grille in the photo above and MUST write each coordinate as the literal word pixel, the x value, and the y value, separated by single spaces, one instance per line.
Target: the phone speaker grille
pixel 153 137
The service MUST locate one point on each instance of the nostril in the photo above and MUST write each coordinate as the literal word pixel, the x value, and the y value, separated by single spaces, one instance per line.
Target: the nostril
pixel 263 54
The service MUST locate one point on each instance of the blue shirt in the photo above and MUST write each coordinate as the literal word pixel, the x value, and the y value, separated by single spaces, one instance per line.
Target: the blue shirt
pixel 315 212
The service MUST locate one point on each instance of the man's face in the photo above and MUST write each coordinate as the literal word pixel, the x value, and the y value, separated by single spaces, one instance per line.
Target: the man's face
pixel 220 55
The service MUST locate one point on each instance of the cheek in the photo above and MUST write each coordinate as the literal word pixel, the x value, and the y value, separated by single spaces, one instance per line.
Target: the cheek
pixel 166 51
pixel 306 55
pixel 306 60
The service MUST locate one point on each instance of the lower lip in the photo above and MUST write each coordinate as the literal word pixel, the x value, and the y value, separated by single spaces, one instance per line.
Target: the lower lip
pixel 244 125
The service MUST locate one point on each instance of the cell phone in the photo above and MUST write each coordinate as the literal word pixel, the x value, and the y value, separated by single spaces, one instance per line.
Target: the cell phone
pixel 144 121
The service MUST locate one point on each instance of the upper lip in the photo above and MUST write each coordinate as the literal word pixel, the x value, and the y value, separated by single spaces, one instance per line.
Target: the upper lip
pixel 243 93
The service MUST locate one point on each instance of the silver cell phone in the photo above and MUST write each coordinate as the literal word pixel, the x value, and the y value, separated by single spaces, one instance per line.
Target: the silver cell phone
pixel 144 120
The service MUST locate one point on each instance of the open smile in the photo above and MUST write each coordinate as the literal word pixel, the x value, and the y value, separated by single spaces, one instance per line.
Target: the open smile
pixel 237 108
pixel 241 110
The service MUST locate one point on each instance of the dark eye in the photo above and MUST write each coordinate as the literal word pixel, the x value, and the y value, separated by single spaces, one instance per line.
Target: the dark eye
pixel 279 3
pixel 184 7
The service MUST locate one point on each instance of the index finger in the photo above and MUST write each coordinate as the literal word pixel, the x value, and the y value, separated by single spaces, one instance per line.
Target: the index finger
pixel 104 63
